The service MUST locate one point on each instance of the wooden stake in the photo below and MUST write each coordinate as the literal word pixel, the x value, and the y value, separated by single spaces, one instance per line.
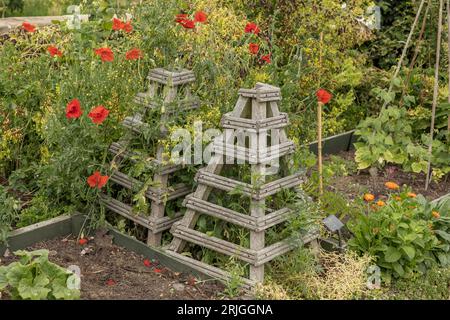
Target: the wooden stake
pixel 448 33
pixel 405 49
pixel 416 51
pixel 436 91
pixel 319 124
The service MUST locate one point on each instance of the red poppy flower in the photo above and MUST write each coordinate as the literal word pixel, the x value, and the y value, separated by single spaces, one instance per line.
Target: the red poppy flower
pixel 252 28
pixel 117 24
pixel 192 281
pixel 105 54
pixel 266 58
pixel 54 51
pixel 200 16
pixel 133 54
pixel 323 96
pixel 253 48
pixel 28 27
pixel 157 270
pixel 98 114
pixel 181 17
pixel 147 263
pixel 128 27
pixel 82 241
pixel 73 109
pixel 110 282
pixel 188 24
pixel 97 180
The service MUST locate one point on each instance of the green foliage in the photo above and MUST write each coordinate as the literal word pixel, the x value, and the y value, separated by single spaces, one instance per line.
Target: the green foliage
pixel 402 236
pixel 9 209
pixel 431 286
pixel 388 139
pixel 36 278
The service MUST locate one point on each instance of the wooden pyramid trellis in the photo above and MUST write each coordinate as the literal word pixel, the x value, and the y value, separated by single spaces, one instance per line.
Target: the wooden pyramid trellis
pixel 256 115
pixel 169 92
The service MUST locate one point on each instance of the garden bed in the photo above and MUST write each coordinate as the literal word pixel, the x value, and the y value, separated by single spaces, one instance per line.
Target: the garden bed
pixel 112 255
pixel 110 272
pixel 357 183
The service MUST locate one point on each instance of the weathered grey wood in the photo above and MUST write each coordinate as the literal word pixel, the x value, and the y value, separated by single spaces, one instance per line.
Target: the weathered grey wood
pixel 230 122
pixel 158 225
pixel 121 151
pixel 171 78
pixel 217 211
pixel 271 252
pixel 124 210
pixel 213 243
pixel 223 183
pixel 257 207
pixel 211 271
pixel 242 153
pixel 158 195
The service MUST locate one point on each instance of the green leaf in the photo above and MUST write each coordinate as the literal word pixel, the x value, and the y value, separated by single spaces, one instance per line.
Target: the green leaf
pixel 399 269
pixel 34 290
pixel 410 251
pixel 17 272
pixel 61 292
pixel 3 279
pixel 443 234
pixel 392 254
pixel 389 141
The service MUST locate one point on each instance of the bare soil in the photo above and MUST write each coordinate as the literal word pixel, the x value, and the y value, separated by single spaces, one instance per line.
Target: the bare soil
pixel 110 272
pixel 354 185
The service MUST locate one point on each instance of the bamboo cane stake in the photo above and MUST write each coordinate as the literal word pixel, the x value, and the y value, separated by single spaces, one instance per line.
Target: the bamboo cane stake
pixel 417 49
pixel 436 91
pixel 448 38
pixel 405 49
pixel 319 124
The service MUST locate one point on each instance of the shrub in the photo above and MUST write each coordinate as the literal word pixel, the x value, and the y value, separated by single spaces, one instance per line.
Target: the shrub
pixel 401 234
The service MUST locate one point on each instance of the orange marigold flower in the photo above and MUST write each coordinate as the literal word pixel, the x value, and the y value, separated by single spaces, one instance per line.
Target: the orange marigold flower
pixel 381 203
pixel 398 198
pixel 435 214
pixel 412 195
pixel 369 197
pixel 392 185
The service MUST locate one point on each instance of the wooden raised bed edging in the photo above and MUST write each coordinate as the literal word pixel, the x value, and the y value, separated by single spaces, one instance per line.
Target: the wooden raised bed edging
pixel 7 24
pixel 335 144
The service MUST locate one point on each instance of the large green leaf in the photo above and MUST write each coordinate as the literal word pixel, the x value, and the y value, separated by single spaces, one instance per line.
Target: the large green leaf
pixel 410 251
pixel 392 254
pixel 3 279
pixel 34 289
pixel 398 268
pixel 17 272
pixel 443 234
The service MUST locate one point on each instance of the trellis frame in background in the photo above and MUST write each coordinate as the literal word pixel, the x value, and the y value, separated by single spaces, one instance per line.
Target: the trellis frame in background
pixel 257 114
pixel 169 92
